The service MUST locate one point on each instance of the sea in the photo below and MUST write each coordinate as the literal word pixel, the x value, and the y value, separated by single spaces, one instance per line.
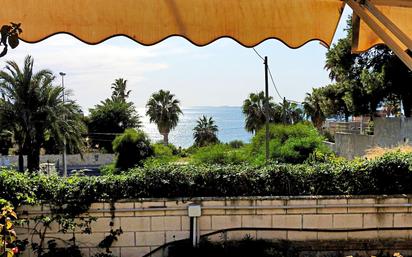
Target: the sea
pixel 230 121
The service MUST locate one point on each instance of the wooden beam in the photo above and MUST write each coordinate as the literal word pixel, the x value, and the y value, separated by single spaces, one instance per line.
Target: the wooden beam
pixel 396 3
pixel 405 39
pixel 388 38
pixel 355 31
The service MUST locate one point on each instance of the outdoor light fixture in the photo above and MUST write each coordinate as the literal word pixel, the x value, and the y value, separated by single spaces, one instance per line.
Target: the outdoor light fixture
pixel 194 211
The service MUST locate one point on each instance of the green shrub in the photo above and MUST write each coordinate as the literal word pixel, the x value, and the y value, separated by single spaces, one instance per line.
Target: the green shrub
pixel 108 169
pixel 288 143
pixel 162 155
pixel 218 154
pixel 328 135
pixel 389 174
pixel 161 150
pixel 132 148
pixel 175 150
pixel 236 144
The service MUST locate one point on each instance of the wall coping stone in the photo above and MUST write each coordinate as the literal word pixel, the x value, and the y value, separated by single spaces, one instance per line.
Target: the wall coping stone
pixel 234 198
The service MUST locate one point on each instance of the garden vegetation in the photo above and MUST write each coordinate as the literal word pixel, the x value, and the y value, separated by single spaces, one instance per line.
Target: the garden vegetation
pixel 389 174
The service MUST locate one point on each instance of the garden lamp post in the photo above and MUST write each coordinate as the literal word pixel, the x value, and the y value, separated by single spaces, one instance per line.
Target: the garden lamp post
pixel 64 160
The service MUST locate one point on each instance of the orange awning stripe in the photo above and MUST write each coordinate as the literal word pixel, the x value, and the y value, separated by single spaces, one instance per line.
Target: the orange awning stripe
pixel 249 22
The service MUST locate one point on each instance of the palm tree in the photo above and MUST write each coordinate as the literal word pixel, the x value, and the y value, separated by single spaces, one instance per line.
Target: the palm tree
pixel 31 107
pixel 290 112
pixel 119 90
pixel 205 132
pixel 5 141
pixel 254 110
pixel 312 107
pixel 112 116
pixel 163 109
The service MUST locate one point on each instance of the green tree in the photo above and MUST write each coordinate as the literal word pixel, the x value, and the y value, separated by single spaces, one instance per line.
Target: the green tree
pixel 312 108
pixel 254 110
pixel 132 148
pixel 111 117
pixel 342 64
pixel 290 112
pixel 369 78
pixel 374 84
pixel 398 78
pixel 5 141
pixel 205 132
pixel 32 107
pixel 119 90
pixel 334 100
pixel 392 107
pixel 163 109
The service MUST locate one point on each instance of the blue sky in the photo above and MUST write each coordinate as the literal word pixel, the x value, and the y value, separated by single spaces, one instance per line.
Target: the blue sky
pixel 222 73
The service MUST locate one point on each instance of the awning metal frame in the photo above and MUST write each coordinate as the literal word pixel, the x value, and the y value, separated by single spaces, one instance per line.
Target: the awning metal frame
pixel 390 34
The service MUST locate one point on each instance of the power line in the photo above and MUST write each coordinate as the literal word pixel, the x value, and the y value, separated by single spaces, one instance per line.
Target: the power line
pixel 263 59
pixel 270 73
pixel 104 133
pixel 273 82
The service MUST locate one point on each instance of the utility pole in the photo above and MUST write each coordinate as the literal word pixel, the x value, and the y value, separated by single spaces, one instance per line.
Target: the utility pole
pixel 267 108
pixel 64 160
pixel 284 110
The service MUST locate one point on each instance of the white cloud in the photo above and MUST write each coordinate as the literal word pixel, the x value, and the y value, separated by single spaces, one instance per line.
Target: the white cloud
pixel 91 69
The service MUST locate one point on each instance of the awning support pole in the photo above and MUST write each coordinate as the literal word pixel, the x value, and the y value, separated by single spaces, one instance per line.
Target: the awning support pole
pixel 390 39
pixel 395 3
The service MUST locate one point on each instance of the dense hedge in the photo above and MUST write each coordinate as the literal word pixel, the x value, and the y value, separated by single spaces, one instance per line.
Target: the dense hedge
pixel 390 174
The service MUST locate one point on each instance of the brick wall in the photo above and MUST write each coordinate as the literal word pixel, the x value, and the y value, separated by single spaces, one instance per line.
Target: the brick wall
pixel 150 223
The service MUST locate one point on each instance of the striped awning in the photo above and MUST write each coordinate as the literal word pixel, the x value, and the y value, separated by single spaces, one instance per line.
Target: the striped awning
pixel 249 22
pixel 400 15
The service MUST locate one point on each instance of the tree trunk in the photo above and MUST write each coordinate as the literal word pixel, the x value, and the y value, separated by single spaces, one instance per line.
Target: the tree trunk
pixel 21 161
pixel 33 159
pixel 407 108
pixel 346 117
pixel 166 139
pixel 318 122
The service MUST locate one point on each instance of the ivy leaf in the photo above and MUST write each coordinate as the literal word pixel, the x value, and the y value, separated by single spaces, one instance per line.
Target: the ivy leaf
pixel 13 40
pixel 12 213
pixel 9 224
pixel 4 31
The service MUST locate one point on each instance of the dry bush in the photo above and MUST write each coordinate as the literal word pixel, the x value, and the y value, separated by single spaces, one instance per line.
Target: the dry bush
pixel 378 151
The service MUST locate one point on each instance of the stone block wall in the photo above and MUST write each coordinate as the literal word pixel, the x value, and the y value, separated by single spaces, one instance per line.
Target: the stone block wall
pixel 89 159
pixel 391 132
pixel 150 223
pixel 388 132
pixel 352 145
